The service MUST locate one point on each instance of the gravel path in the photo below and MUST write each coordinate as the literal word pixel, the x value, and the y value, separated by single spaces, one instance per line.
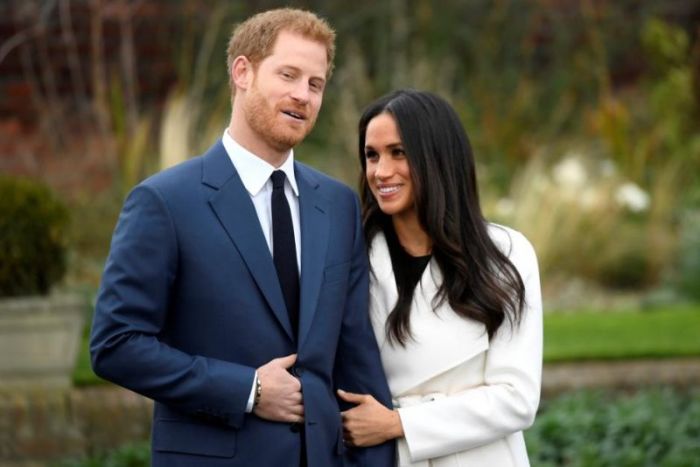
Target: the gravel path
pixel 624 374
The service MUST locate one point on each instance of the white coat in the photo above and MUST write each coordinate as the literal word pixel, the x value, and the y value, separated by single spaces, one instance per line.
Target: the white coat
pixel 463 400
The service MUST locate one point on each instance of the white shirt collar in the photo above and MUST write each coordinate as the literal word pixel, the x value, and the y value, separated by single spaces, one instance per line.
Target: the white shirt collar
pixel 253 170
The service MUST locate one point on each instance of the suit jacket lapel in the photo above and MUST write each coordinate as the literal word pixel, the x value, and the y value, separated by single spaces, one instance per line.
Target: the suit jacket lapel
pixel 314 241
pixel 234 209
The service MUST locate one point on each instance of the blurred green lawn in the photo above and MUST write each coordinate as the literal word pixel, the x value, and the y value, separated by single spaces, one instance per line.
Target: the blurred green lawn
pixel 582 335
pixel 587 335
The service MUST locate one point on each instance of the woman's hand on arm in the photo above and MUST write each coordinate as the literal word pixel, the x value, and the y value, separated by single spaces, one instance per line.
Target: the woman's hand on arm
pixel 369 423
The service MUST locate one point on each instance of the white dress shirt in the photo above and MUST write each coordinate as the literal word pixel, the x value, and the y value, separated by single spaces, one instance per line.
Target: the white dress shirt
pixel 255 174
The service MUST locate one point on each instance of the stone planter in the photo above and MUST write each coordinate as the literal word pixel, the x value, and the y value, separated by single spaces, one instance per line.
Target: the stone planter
pixel 39 340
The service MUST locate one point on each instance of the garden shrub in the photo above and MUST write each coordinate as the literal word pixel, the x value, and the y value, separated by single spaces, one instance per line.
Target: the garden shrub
pixel 655 427
pixel 33 237
pixel 130 455
pixel 625 263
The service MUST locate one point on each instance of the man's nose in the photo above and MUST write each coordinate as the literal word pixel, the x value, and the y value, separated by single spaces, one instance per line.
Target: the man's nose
pixel 301 92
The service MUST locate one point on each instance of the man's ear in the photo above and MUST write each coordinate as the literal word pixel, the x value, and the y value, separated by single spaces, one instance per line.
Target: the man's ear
pixel 241 72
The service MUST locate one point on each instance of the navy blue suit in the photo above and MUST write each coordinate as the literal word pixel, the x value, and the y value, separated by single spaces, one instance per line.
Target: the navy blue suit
pixel 190 305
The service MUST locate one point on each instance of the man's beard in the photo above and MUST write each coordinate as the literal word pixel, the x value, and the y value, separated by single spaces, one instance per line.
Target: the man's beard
pixel 263 120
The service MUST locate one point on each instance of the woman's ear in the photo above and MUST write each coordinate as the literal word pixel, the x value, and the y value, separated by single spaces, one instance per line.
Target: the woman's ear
pixel 241 72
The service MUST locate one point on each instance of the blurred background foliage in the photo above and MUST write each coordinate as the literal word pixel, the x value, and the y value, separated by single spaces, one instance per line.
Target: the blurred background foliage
pixel 584 116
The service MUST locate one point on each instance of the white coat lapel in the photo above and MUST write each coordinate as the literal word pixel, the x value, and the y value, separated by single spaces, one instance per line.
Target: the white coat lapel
pixel 436 334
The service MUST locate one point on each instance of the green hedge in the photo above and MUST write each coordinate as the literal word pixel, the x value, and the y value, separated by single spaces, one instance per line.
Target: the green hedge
pixel 655 427
pixel 33 237
pixel 129 455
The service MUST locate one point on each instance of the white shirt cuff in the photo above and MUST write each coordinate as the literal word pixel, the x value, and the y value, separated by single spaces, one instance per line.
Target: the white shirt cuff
pixel 251 398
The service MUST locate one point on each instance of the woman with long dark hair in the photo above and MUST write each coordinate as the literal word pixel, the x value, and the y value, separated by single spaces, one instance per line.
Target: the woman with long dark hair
pixel 454 300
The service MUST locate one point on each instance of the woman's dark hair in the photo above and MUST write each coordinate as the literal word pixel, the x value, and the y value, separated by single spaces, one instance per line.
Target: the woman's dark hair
pixel 479 281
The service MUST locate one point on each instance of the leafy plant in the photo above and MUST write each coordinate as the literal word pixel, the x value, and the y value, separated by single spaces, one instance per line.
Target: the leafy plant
pixel 655 427
pixel 33 237
pixel 129 455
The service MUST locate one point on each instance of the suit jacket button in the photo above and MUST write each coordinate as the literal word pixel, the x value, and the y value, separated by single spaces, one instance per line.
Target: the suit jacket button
pixel 297 371
pixel 295 427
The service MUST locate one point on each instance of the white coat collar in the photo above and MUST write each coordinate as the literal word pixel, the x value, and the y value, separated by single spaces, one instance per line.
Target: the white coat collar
pixel 435 333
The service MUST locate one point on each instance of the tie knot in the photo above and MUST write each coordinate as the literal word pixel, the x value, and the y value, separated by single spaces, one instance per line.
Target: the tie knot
pixel 277 179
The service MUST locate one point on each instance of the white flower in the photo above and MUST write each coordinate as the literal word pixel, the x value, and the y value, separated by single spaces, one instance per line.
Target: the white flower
pixel 570 173
pixel 630 196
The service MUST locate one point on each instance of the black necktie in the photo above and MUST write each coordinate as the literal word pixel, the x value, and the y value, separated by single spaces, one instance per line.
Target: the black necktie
pixel 284 250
